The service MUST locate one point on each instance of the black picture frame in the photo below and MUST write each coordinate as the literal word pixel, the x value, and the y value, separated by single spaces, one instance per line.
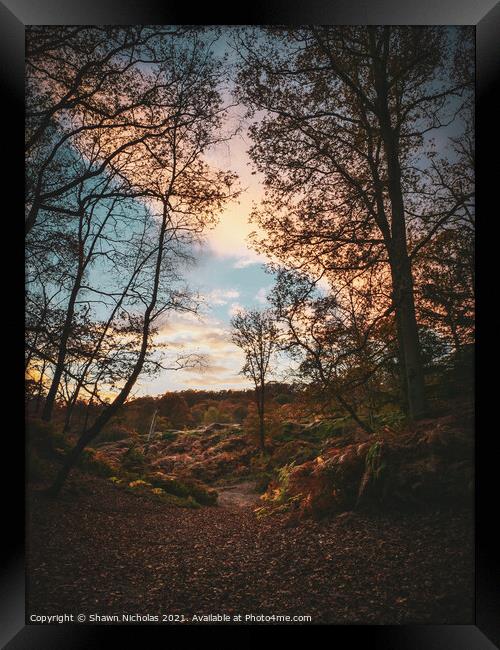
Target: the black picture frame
pixel 14 16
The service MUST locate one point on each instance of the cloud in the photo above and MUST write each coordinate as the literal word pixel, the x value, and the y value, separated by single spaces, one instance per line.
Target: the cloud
pixel 243 262
pixel 188 334
pixel 216 382
pixel 221 296
pixel 261 295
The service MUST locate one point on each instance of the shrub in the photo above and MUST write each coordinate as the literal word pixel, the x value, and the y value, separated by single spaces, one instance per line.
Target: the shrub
pixel 240 413
pixel 391 417
pixel 373 461
pixel 114 433
pixel 329 428
pixel 278 495
pixel 213 415
pixel 139 484
pixel 93 462
pixel 184 489
pixel 173 500
pixel 44 437
pixel 133 460
pixel 283 398
pixel 203 495
pixel 169 436
pixel 298 451
pixel 167 484
pixel 262 481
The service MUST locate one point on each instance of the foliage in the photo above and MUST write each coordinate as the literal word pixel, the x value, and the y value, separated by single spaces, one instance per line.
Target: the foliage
pixel 183 488
pixel 373 461
pixel 94 462
pixel 114 432
pixel 133 460
pixel 340 115
pixel 169 436
pixel 139 484
pixel 45 437
pixel 278 493
pixel 213 415
pixel 118 122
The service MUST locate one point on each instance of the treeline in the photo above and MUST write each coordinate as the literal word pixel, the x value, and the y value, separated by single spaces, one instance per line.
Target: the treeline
pixel 176 410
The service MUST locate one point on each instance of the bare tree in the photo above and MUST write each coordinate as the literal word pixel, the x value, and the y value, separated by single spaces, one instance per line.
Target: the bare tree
pixel 255 333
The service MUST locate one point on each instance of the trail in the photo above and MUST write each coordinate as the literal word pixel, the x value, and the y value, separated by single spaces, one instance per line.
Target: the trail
pixel 240 495
pixel 99 549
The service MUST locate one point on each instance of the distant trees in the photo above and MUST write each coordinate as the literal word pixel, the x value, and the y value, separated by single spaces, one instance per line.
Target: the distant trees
pixel 256 334
pixel 175 410
pixel 355 186
pixel 119 120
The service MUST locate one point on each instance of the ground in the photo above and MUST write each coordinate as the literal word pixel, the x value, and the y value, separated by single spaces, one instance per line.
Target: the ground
pixel 100 549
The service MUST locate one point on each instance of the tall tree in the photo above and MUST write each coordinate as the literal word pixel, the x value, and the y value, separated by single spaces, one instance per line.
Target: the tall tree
pixel 256 334
pixel 151 202
pixel 343 139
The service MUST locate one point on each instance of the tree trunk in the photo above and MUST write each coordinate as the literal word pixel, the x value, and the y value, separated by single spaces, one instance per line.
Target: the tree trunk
pixel 101 421
pixel 409 343
pixel 107 414
pixel 40 389
pixel 63 344
pixel 402 280
pixel 259 394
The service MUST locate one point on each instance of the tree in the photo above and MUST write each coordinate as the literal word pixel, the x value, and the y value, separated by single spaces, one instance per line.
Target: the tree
pixel 94 85
pixel 153 200
pixel 446 287
pixel 339 346
pixel 175 409
pixel 256 334
pixel 343 139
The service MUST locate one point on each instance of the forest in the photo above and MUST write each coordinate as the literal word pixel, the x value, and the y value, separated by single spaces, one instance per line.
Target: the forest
pixel 250 322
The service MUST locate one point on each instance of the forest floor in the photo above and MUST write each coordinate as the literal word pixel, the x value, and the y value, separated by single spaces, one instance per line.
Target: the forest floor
pixel 102 550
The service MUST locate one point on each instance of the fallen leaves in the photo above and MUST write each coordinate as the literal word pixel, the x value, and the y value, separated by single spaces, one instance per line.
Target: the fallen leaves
pixel 104 550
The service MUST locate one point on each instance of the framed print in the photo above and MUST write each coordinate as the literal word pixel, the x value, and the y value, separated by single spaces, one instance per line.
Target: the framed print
pixel 249 389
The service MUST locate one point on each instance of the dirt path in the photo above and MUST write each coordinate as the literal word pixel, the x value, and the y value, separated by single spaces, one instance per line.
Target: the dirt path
pixel 241 495
pixel 102 550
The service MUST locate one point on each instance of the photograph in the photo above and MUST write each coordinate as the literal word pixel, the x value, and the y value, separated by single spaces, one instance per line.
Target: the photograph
pixel 250 324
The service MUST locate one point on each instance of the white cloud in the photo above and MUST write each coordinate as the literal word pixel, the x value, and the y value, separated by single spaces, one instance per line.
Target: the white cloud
pixel 261 295
pixel 221 296
pixel 243 262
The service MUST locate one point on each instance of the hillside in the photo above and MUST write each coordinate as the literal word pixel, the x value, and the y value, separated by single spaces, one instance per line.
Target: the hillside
pixel 314 527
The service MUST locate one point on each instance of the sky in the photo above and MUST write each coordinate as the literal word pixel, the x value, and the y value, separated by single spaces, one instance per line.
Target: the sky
pixel 229 275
